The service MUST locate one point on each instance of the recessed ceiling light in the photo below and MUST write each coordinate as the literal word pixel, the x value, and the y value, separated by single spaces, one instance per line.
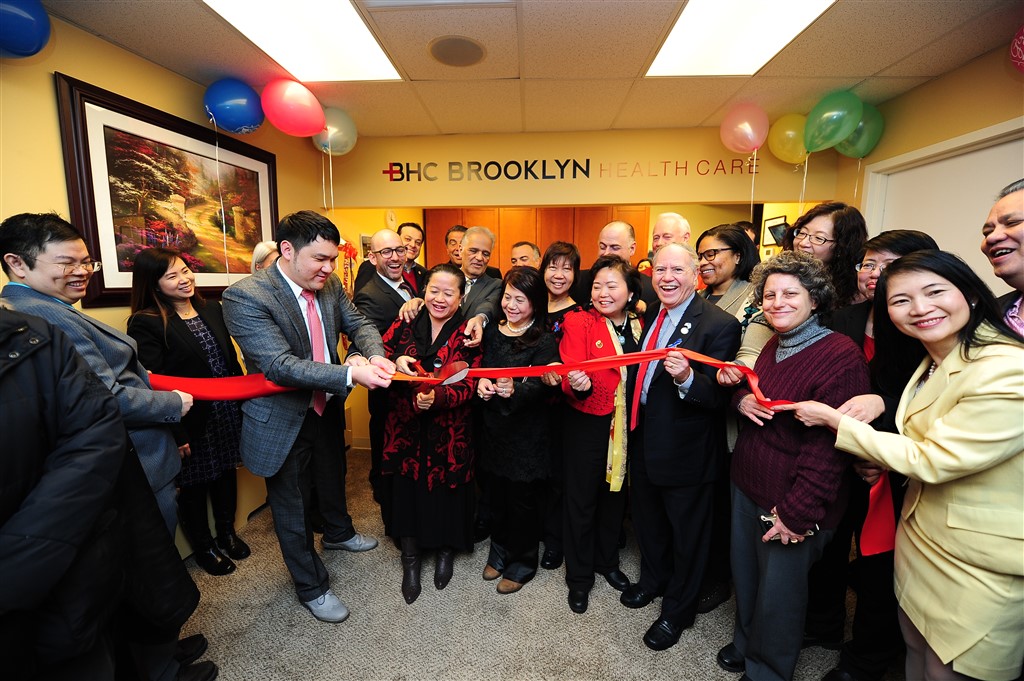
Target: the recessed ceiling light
pixel 315 41
pixel 735 38
pixel 456 50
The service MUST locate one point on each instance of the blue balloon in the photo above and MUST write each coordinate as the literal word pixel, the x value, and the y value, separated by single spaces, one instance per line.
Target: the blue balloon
pixel 24 28
pixel 233 106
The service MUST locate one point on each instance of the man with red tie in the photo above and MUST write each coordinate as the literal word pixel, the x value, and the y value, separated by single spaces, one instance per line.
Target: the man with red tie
pixel 288 320
pixel 677 443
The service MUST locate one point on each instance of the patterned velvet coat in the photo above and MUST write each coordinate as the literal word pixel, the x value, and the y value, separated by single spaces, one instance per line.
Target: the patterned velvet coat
pixel 437 443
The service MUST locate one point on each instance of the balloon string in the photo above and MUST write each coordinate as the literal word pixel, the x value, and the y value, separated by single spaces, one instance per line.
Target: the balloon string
pixel 856 184
pixel 330 165
pixel 220 197
pixel 803 187
pixel 323 181
pixel 753 176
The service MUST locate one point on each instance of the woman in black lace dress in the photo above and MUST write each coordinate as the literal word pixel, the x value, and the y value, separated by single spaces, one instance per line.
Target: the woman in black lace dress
pixel 180 334
pixel 516 434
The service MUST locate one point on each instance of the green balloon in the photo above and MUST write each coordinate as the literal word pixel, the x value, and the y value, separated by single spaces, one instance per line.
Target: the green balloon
pixel 866 135
pixel 832 120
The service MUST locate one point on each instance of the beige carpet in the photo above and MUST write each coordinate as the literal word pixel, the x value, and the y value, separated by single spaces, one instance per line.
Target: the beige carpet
pixel 258 630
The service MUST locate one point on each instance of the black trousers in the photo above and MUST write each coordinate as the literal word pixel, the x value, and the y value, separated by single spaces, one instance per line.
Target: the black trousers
pixel 377 402
pixel 223 495
pixel 593 513
pixel 673 529
pixel 516 512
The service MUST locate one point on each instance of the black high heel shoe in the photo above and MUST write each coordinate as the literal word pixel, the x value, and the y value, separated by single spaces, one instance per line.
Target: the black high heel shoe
pixel 231 544
pixel 214 562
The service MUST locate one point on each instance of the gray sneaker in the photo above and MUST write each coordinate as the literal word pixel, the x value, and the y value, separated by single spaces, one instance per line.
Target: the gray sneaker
pixel 328 608
pixel 356 544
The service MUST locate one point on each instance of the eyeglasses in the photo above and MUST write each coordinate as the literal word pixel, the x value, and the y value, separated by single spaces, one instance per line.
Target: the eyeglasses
pixel 69 268
pixel 871 266
pixel 815 239
pixel 388 252
pixel 712 253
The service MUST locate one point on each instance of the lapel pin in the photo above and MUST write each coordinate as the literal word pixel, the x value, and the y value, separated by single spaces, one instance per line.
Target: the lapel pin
pixel 599 344
pixel 686 329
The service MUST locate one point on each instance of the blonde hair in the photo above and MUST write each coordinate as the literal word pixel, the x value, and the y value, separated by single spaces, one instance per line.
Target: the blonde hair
pixel 261 252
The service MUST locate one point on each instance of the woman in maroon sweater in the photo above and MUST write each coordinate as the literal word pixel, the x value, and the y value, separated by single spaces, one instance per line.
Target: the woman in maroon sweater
pixel 788 482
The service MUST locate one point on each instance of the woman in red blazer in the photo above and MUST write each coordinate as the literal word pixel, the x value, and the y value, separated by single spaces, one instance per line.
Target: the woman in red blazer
pixel 594 505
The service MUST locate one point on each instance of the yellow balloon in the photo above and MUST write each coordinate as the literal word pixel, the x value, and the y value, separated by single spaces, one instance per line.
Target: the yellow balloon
pixel 786 139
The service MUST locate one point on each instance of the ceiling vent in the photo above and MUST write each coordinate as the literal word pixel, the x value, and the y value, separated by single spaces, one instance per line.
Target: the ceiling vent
pixel 457 50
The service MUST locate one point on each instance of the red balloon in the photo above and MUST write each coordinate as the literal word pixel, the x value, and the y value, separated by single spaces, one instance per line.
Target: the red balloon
pixel 291 108
pixel 1017 49
pixel 744 128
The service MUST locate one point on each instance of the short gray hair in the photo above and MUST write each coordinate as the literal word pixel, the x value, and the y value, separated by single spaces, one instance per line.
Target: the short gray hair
pixel 260 252
pixel 1011 188
pixel 479 230
pixel 687 248
pixel 806 268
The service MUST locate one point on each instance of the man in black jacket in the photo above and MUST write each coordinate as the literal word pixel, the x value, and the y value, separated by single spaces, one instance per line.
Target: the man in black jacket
pixel 82 544
pixel 1003 244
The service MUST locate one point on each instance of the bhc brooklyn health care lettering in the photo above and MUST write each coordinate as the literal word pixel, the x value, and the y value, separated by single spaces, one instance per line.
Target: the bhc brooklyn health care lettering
pixel 560 169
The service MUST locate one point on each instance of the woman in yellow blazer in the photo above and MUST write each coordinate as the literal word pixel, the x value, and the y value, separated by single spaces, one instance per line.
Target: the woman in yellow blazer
pixel 960 545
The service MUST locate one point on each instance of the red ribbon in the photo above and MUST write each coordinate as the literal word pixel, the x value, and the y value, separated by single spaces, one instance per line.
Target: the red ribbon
pixel 256 385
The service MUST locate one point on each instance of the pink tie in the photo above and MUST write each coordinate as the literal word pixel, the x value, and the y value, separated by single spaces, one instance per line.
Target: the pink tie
pixel 641 374
pixel 316 340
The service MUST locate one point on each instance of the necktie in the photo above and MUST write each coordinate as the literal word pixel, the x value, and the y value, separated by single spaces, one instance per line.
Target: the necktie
pixel 641 373
pixel 316 340
pixel 410 280
pixel 405 290
pixel 469 287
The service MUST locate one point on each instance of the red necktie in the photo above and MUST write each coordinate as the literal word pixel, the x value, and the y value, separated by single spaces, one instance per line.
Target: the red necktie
pixel 641 373
pixel 878 534
pixel 316 340
pixel 410 279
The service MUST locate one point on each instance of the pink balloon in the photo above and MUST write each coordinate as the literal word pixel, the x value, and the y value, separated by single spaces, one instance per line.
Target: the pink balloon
pixel 291 108
pixel 744 128
pixel 1017 49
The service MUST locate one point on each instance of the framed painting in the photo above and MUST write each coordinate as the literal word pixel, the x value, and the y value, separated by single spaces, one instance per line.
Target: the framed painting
pixel 774 230
pixel 138 178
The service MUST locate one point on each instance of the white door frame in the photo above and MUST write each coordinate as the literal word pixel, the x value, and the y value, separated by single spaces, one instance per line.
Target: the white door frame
pixel 876 179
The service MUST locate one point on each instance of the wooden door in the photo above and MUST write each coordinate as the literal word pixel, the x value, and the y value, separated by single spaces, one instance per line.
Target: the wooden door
pixel 437 221
pixel 639 217
pixel 516 224
pixel 554 224
pixel 589 220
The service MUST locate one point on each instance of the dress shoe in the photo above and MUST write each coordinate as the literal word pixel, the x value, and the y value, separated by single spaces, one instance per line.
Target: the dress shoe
pixel 826 642
pixel 411 565
pixel 328 608
pixel 636 597
pixel 730 660
pixel 551 560
pixel 443 568
pixel 190 649
pixel 662 635
pixel 200 671
pixel 357 544
pixel 839 674
pixel 214 562
pixel 490 574
pixel 711 598
pixel 578 601
pixel 232 545
pixel 617 579
pixel 507 586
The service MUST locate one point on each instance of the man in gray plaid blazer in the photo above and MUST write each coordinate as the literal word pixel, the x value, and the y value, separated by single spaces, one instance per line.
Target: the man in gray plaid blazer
pixel 289 437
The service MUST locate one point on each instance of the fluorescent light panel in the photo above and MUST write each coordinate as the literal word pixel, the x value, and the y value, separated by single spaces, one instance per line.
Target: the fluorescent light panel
pixel 315 41
pixel 732 37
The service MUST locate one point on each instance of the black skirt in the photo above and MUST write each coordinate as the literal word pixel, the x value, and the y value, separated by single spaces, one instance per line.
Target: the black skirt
pixel 441 517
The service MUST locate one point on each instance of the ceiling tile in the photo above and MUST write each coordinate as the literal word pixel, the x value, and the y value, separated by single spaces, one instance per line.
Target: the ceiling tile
pixel 780 96
pixel 406 35
pixel 862 37
pixel 379 109
pixel 473 106
pixel 590 39
pixel 972 39
pixel 675 102
pixel 572 104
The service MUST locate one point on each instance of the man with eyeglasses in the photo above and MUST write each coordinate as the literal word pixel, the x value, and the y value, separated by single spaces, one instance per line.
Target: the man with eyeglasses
pixel 379 300
pixel 50 267
pixel 414 274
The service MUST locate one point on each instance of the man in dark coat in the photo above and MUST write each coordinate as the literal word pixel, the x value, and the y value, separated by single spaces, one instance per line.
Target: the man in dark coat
pixel 1003 244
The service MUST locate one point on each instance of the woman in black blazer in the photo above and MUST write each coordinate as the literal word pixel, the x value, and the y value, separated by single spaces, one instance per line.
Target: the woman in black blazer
pixel 180 334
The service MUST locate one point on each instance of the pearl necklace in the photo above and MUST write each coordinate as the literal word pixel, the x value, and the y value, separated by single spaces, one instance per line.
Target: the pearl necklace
pixel 518 331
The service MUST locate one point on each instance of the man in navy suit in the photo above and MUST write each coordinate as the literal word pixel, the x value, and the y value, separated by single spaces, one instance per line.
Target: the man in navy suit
pixel 678 442
pixel 380 299
pixel 288 320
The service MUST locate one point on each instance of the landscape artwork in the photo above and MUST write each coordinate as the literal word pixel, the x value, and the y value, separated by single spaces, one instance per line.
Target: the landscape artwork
pixel 164 196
